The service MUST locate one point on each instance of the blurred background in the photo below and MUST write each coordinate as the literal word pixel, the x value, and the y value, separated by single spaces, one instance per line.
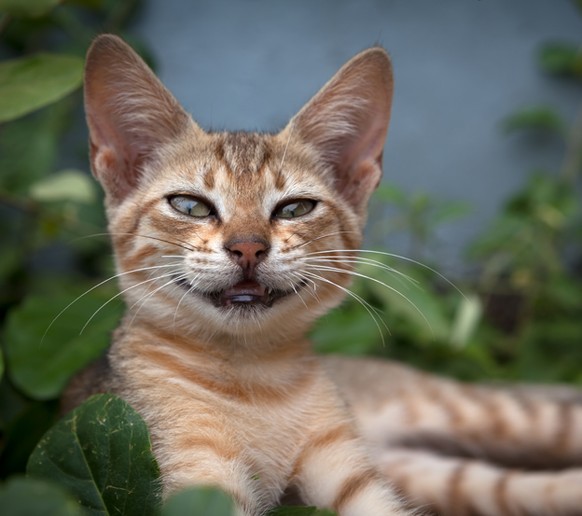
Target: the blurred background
pixel 481 199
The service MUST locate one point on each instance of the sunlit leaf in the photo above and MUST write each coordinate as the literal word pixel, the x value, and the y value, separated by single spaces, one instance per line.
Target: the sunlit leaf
pixel 467 317
pixel 101 453
pixel 41 357
pixel 29 496
pixel 29 83
pixel 67 185
pixel 28 8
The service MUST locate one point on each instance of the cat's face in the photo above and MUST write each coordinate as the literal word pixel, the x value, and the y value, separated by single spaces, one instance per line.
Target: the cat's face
pixel 233 233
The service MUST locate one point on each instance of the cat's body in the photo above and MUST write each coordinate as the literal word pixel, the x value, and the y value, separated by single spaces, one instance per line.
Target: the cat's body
pixel 229 246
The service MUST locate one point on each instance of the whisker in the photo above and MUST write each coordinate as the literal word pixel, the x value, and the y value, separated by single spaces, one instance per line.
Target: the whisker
pixel 362 261
pixel 111 278
pixel 369 308
pixel 321 237
pixel 398 257
pixel 119 294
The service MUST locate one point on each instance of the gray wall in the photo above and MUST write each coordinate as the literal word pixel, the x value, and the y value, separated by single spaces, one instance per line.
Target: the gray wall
pixel 460 67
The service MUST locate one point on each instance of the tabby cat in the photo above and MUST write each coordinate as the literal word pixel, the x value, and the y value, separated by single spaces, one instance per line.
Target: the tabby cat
pixel 228 247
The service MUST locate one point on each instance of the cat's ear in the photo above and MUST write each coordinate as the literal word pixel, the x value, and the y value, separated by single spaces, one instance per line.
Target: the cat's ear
pixel 347 122
pixel 130 114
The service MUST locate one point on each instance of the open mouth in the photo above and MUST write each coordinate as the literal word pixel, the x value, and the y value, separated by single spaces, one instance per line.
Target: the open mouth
pixel 243 293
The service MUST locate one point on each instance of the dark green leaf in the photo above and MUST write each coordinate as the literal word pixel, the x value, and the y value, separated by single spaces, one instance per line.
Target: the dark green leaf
pixel 101 453
pixel 28 8
pixel 199 501
pixel 33 497
pixel 28 148
pixel 41 357
pixel 30 83
pixel 561 59
pixel 536 118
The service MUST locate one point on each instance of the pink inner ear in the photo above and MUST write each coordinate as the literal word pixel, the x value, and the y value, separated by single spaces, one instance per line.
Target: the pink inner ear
pixel 347 122
pixel 129 112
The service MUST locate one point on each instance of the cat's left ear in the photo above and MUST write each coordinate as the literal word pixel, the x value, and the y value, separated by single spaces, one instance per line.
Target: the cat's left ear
pixel 347 122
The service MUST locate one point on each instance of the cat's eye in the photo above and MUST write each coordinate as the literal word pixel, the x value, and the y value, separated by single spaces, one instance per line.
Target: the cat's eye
pixel 294 209
pixel 191 206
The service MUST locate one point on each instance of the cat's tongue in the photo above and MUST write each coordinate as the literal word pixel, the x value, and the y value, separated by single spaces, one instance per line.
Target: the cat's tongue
pixel 247 291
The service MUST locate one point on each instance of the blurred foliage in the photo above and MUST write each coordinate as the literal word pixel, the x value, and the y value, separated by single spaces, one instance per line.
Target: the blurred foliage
pixel 518 319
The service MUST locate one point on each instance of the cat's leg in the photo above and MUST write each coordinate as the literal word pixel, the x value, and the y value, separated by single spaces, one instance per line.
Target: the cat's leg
pixel 333 471
pixel 461 487
pixel 207 462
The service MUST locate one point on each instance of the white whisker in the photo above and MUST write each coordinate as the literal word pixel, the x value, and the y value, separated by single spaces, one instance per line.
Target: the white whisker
pixel 121 293
pixel 111 278
pixel 369 308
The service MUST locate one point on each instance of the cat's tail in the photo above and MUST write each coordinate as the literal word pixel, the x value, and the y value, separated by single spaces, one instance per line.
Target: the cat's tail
pixel 461 449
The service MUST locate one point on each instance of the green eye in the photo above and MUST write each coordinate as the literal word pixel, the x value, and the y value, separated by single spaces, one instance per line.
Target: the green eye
pixel 190 206
pixel 294 209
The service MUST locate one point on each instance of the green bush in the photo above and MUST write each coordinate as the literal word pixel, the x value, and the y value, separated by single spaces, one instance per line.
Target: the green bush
pixel 530 263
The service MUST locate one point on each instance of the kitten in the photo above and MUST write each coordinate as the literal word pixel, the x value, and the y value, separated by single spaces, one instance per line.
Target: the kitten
pixel 230 245
pixel 219 238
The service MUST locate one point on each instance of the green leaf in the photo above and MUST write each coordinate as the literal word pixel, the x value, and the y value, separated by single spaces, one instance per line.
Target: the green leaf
pixel 30 83
pixel 199 501
pixel 101 453
pixel 41 358
pixel 67 185
pixel 29 148
pixel 536 118
pixel 27 8
pixel 561 59
pixel 28 496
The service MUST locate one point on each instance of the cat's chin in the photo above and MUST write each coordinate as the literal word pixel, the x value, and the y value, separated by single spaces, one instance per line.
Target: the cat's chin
pixel 242 295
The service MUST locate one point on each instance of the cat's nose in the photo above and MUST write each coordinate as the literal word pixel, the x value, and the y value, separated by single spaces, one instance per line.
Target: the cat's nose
pixel 247 253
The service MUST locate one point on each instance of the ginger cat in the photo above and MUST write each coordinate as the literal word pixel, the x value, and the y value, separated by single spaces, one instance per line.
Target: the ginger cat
pixel 229 246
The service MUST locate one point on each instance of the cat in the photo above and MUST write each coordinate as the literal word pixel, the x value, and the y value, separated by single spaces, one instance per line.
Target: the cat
pixel 229 245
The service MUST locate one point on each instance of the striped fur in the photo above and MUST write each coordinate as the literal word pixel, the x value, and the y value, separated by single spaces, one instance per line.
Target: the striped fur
pixel 212 349
pixel 461 449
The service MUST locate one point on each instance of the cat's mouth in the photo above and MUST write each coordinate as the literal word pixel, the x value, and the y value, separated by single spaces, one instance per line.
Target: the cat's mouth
pixel 243 293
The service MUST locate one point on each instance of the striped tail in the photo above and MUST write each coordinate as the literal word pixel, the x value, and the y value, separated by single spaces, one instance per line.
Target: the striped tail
pixel 461 449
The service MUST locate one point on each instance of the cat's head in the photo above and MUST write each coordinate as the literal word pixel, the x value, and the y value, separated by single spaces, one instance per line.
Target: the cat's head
pixel 234 233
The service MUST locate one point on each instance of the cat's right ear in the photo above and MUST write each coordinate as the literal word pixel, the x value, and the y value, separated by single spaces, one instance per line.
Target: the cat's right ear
pixel 130 114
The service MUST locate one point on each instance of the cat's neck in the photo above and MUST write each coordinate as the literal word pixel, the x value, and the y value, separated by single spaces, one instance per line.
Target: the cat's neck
pixel 219 347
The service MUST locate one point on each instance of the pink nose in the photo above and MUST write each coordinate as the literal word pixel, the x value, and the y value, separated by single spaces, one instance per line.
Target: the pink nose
pixel 247 253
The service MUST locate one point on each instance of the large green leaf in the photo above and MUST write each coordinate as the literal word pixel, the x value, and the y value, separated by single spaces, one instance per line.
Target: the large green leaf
pixel 44 349
pixel 66 185
pixel 29 83
pixel 33 497
pixel 199 501
pixel 28 8
pixel 101 453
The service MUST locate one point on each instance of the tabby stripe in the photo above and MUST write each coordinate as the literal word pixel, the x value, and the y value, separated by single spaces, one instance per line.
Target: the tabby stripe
pixel 455 492
pixel 501 493
pixel 340 433
pixel 352 485
pixel 221 450
pixel 249 393
pixel 135 260
pixel 566 423
pixel 132 220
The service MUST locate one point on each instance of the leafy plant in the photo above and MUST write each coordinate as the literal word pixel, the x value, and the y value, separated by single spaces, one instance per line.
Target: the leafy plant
pixel 523 323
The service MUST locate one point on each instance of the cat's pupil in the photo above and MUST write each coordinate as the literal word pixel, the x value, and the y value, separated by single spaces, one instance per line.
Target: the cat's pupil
pixel 190 206
pixel 295 209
